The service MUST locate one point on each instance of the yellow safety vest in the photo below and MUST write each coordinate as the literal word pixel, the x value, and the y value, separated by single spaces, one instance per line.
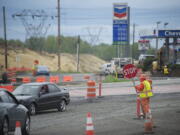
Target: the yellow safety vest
pixel 166 71
pixel 147 91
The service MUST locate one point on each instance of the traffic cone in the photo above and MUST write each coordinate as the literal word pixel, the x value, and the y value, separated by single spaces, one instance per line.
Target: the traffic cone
pixel 150 115
pixel 148 126
pixel 18 128
pixel 89 125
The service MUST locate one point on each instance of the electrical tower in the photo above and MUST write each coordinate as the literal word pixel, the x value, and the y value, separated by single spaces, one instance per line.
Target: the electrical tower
pixel 93 34
pixel 34 22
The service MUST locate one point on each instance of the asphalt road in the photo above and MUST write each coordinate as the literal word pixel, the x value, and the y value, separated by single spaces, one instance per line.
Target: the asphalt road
pixel 112 115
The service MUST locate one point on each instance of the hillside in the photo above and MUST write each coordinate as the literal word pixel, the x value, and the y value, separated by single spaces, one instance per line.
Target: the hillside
pixel 88 63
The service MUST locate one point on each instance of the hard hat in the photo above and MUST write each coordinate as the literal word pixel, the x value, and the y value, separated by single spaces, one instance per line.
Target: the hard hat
pixel 142 77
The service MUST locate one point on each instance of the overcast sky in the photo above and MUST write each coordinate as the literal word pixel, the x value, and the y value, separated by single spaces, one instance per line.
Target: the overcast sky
pixel 91 17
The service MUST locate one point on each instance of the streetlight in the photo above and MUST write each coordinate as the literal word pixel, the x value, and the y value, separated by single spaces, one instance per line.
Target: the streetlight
pixel 165 24
pixel 157 35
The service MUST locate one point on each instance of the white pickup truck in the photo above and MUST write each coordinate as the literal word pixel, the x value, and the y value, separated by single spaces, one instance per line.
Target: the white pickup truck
pixel 115 66
pixel 107 69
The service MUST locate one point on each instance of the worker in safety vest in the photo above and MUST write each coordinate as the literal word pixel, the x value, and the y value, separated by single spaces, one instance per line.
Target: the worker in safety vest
pixel 144 91
pixel 165 70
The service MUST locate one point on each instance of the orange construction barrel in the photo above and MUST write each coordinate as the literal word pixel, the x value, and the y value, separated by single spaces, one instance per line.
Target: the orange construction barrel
pixel 91 89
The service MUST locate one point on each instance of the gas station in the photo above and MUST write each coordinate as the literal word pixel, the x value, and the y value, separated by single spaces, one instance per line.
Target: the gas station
pixel 169 53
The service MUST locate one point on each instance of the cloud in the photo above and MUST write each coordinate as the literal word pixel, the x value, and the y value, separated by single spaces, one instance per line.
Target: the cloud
pixel 78 15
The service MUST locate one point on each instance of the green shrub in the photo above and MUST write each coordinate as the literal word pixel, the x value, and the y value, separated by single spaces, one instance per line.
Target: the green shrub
pixel 111 78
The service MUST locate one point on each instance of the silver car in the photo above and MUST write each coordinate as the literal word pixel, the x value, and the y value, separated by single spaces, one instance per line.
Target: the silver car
pixel 10 112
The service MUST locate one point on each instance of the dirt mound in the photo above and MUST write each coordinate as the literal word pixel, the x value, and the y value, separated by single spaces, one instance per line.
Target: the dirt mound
pixel 88 63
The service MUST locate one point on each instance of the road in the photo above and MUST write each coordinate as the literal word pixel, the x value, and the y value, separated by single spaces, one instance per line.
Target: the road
pixel 113 114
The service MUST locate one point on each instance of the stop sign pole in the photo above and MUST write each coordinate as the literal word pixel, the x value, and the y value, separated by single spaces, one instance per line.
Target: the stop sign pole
pixel 130 72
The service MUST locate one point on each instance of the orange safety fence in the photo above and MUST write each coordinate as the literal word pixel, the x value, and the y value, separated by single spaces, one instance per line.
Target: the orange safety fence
pixel 26 80
pixel 54 79
pixel 41 79
pixel 19 69
pixel 67 79
pixel 10 88
pixel 11 74
pixel 13 80
pixel 91 90
pixel 87 77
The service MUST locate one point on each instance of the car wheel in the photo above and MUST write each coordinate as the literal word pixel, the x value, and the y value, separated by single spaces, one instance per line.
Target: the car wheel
pixel 32 109
pixel 5 127
pixel 26 129
pixel 62 106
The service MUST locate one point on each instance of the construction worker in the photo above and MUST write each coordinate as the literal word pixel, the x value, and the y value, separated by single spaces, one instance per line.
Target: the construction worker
pixel 144 91
pixel 166 70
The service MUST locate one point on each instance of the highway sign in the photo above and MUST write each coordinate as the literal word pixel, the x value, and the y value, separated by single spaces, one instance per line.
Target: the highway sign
pixel 129 71
pixel 168 33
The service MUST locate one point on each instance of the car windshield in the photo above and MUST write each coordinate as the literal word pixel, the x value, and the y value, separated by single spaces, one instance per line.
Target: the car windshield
pixel 26 90
pixel 42 68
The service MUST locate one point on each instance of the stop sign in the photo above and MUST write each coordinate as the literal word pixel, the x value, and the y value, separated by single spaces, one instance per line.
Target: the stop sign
pixel 129 71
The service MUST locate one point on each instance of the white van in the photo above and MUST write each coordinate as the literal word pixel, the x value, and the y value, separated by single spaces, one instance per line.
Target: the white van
pixel 107 68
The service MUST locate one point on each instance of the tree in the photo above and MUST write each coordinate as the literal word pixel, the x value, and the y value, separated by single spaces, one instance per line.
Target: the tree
pixel 35 43
pixel 135 51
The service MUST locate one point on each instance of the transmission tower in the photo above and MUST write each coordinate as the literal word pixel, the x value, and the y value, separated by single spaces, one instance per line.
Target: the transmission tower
pixel 93 34
pixel 34 22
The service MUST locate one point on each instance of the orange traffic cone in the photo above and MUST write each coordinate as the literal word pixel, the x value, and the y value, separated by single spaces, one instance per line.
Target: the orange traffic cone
pixel 89 125
pixel 18 128
pixel 152 122
pixel 148 125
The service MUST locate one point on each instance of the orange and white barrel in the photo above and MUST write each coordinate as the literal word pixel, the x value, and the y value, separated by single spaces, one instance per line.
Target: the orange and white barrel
pixel 91 90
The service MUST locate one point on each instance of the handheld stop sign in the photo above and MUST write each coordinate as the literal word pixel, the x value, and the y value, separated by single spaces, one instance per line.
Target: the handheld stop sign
pixel 129 71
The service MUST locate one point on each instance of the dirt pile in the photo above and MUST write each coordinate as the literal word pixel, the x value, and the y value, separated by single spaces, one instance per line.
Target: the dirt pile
pixel 88 63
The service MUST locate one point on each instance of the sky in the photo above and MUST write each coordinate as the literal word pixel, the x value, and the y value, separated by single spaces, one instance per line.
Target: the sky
pixel 91 19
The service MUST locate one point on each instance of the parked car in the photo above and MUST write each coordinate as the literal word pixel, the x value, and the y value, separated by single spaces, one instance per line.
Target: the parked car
pixel 10 112
pixel 42 96
pixel 42 70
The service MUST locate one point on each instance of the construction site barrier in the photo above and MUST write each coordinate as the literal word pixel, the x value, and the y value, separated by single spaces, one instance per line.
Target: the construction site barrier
pixel 54 79
pixel 26 80
pixel 86 77
pixel 10 88
pixel 19 69
pixel 13 80
pixel 41 79
pixel 100 86
pixel 91 90
pixel 11 74
pixel 67 79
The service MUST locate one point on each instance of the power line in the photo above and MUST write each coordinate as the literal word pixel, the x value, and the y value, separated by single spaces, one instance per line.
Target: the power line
pixel 33 21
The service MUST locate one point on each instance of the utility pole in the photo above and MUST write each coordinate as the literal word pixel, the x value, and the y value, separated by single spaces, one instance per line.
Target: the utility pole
pixel 78 46
pixel 157 36
pixel 58 38
pixel 5 40
pixel 134 25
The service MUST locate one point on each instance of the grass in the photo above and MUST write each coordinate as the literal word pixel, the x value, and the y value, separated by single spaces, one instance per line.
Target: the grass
pixel 110 79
